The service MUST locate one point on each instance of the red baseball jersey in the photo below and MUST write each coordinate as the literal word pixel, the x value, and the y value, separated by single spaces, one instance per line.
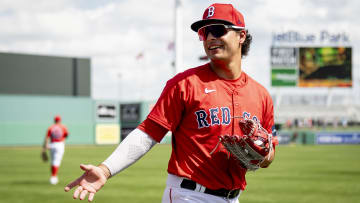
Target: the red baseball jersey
pixel 198 106
pixel 57 132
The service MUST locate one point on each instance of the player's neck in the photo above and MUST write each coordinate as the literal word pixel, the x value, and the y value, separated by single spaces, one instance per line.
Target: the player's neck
pixel 229 70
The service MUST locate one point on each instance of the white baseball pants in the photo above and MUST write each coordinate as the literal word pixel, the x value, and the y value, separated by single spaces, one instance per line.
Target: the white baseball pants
pixel 175 194
pixel 57 151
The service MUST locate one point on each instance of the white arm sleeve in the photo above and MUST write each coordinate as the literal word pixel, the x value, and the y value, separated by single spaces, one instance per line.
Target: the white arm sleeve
pixel 131 149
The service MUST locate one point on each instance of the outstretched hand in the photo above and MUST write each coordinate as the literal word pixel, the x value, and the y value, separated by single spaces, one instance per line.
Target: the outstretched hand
pixel 93 179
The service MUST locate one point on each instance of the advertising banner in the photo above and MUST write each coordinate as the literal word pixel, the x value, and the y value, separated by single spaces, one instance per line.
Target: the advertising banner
pixel 338 138
pixel 325 67
pixel 311 66
pixel 107 134
pixel 283 66
pixel 284 138
pixel 130 112
pixel 106 111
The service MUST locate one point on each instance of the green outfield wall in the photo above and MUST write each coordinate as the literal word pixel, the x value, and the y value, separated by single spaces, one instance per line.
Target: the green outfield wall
pixel 30 74
pixel 25 119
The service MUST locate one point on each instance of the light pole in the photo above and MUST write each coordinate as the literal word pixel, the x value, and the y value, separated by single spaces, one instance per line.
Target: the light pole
pixel 178 36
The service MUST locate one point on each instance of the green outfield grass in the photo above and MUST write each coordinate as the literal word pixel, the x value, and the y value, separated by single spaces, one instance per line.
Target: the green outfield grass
pixel 306 174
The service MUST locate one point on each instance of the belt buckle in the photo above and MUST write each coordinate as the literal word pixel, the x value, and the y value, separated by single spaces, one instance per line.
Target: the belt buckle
pixel 230 193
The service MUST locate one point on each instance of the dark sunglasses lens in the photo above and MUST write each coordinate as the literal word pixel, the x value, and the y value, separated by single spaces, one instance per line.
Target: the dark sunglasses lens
pixel 215 30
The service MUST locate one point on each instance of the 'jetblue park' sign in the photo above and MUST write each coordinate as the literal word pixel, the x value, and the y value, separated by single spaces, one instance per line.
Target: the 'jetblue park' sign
pixel 323 37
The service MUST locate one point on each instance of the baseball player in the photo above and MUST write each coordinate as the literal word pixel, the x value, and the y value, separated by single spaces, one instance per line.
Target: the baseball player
pixel 197 106
pixel 55 142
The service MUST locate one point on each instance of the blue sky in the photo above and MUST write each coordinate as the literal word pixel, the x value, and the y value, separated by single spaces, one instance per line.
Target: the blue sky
pixel 113 33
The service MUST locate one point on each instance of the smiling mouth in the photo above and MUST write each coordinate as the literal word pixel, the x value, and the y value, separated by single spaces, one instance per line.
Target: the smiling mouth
pixel 214 47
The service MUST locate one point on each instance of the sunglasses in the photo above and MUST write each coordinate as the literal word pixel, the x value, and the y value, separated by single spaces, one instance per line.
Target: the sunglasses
pixel 217 30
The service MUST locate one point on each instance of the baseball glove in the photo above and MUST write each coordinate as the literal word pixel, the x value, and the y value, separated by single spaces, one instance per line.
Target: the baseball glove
pixel 251 148
pixel 44 156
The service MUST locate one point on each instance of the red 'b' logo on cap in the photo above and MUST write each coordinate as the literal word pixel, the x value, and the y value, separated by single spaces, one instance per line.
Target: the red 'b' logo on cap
pixel 225 13
pixel 211 11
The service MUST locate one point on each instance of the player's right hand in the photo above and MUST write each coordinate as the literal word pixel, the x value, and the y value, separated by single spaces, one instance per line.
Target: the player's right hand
pixel 90 182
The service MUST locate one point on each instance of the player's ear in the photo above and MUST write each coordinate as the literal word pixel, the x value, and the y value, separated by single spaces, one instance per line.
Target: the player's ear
pixel 242 36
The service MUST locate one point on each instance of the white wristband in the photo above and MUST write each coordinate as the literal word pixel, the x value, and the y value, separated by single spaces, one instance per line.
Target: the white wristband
pixel 131 149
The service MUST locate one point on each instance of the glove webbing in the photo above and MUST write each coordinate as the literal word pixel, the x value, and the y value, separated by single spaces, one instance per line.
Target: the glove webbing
pixel 244 153
pixel 269 140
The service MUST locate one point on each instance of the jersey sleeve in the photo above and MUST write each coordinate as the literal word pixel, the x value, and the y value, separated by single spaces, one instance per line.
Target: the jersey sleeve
pixel 66 132
pixel 154 130
pixel 169 108
pixel 268 114
pixel 268 121
pixel 48 132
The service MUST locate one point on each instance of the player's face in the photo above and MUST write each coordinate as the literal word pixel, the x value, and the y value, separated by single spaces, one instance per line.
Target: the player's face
pixel 222 45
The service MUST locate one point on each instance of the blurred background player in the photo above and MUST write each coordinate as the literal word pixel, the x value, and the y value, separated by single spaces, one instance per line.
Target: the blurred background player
pixel 55 142
pixel 197 106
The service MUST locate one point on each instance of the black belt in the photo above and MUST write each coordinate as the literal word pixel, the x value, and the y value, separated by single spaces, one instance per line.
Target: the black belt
pixel 191 185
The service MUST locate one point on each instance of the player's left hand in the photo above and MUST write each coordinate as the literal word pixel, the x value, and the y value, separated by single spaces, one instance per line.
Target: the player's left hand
pixel 254 149
pixel 90 182
pixel 44 156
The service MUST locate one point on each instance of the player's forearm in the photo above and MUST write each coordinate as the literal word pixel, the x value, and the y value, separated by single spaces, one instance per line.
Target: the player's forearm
pixel 131 149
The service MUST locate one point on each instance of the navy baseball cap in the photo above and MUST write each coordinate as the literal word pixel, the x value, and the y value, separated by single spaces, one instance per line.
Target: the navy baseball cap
pixel 220 13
